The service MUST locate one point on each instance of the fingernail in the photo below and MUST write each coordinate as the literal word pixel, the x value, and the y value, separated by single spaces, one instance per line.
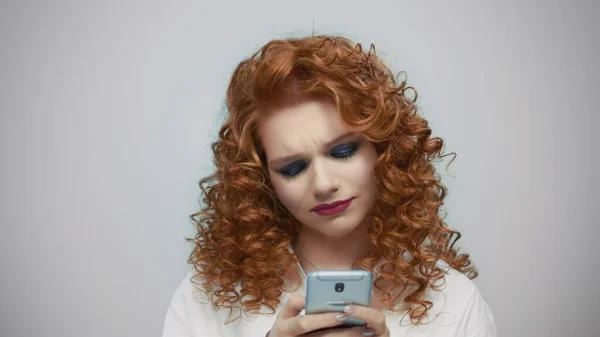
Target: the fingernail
pixel 341 317
pixel 368 332
pixel 348 309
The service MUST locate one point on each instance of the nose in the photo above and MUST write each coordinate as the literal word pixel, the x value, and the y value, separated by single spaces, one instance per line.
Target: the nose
pixel 325 180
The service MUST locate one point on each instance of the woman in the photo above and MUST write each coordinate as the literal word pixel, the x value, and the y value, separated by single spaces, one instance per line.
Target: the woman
pixel 324 164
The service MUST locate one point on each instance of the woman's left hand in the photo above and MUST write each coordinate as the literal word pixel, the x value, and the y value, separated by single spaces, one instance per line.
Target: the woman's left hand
pixel 374 318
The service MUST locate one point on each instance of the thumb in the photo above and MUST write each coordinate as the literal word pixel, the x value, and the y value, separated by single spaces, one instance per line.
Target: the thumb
pixel 292 308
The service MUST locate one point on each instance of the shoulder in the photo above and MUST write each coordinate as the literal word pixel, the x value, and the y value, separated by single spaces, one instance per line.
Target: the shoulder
pixel 458 309
pixel 458 301
pixel 456 288
pixel 187 310
pixel 191 314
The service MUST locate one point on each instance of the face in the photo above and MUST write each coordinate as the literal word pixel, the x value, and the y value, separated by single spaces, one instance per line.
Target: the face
pixel 320 169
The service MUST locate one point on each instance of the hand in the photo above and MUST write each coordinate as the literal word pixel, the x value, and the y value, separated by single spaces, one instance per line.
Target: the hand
pixel 374 318
pixel 338 332
pixel 289 324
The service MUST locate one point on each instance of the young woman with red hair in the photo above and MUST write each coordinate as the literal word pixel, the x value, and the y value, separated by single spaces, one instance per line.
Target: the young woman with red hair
pixel 324 164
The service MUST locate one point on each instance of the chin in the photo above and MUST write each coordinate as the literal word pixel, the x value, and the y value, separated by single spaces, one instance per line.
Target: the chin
pixel 333 229
pixel 340 233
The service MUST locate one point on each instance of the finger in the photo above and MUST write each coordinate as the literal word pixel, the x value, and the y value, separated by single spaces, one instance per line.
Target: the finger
pixel 306 323
pixel 341 332
pixel 369 332
pixel 294 305
pixel 373 317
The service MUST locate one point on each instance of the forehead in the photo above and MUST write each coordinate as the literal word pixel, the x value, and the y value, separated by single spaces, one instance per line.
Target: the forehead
pixel 301 126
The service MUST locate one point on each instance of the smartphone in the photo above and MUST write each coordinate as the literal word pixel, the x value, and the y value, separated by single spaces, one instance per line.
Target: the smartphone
pixel 330 290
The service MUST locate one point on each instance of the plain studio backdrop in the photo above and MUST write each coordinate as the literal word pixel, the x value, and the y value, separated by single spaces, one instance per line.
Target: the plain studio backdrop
pixel 108 110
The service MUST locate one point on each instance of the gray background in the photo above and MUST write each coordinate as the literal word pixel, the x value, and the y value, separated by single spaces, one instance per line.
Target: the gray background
pixel 108 109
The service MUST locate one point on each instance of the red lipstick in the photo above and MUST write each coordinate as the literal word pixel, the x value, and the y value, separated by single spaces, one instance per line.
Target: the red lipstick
pixel 333 208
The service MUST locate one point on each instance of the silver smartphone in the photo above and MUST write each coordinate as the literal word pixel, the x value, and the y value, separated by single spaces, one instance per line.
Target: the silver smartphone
pixel 329 291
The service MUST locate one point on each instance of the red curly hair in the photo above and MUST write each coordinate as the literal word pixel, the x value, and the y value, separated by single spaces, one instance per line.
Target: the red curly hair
pixel 240 250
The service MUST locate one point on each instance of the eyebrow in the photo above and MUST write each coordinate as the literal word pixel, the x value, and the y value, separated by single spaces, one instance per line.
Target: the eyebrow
pixel 328 144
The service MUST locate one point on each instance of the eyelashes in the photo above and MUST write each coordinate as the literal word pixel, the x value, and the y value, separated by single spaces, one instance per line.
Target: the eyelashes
pixel 293 169
pixel 344 151
pixel 340 152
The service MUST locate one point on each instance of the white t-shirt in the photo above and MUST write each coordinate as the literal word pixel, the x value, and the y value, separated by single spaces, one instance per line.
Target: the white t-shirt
pixel 458 310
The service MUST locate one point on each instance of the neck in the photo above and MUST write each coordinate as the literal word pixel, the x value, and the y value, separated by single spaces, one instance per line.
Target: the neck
pixel 330 253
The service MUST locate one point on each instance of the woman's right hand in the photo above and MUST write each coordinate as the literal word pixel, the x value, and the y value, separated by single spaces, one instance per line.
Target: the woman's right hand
pixel 289 323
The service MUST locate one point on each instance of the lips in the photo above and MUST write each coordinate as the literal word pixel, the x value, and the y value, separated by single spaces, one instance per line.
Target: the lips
pixel 333 208
pixel 332 205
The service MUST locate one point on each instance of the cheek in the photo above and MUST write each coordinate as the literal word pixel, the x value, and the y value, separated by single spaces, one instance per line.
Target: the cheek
pixel 361 176
pixel 362 172
pixel 288 193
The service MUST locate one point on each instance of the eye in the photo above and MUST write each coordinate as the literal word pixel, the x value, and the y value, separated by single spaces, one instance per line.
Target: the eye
pixel 344 151
pixel 293 169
